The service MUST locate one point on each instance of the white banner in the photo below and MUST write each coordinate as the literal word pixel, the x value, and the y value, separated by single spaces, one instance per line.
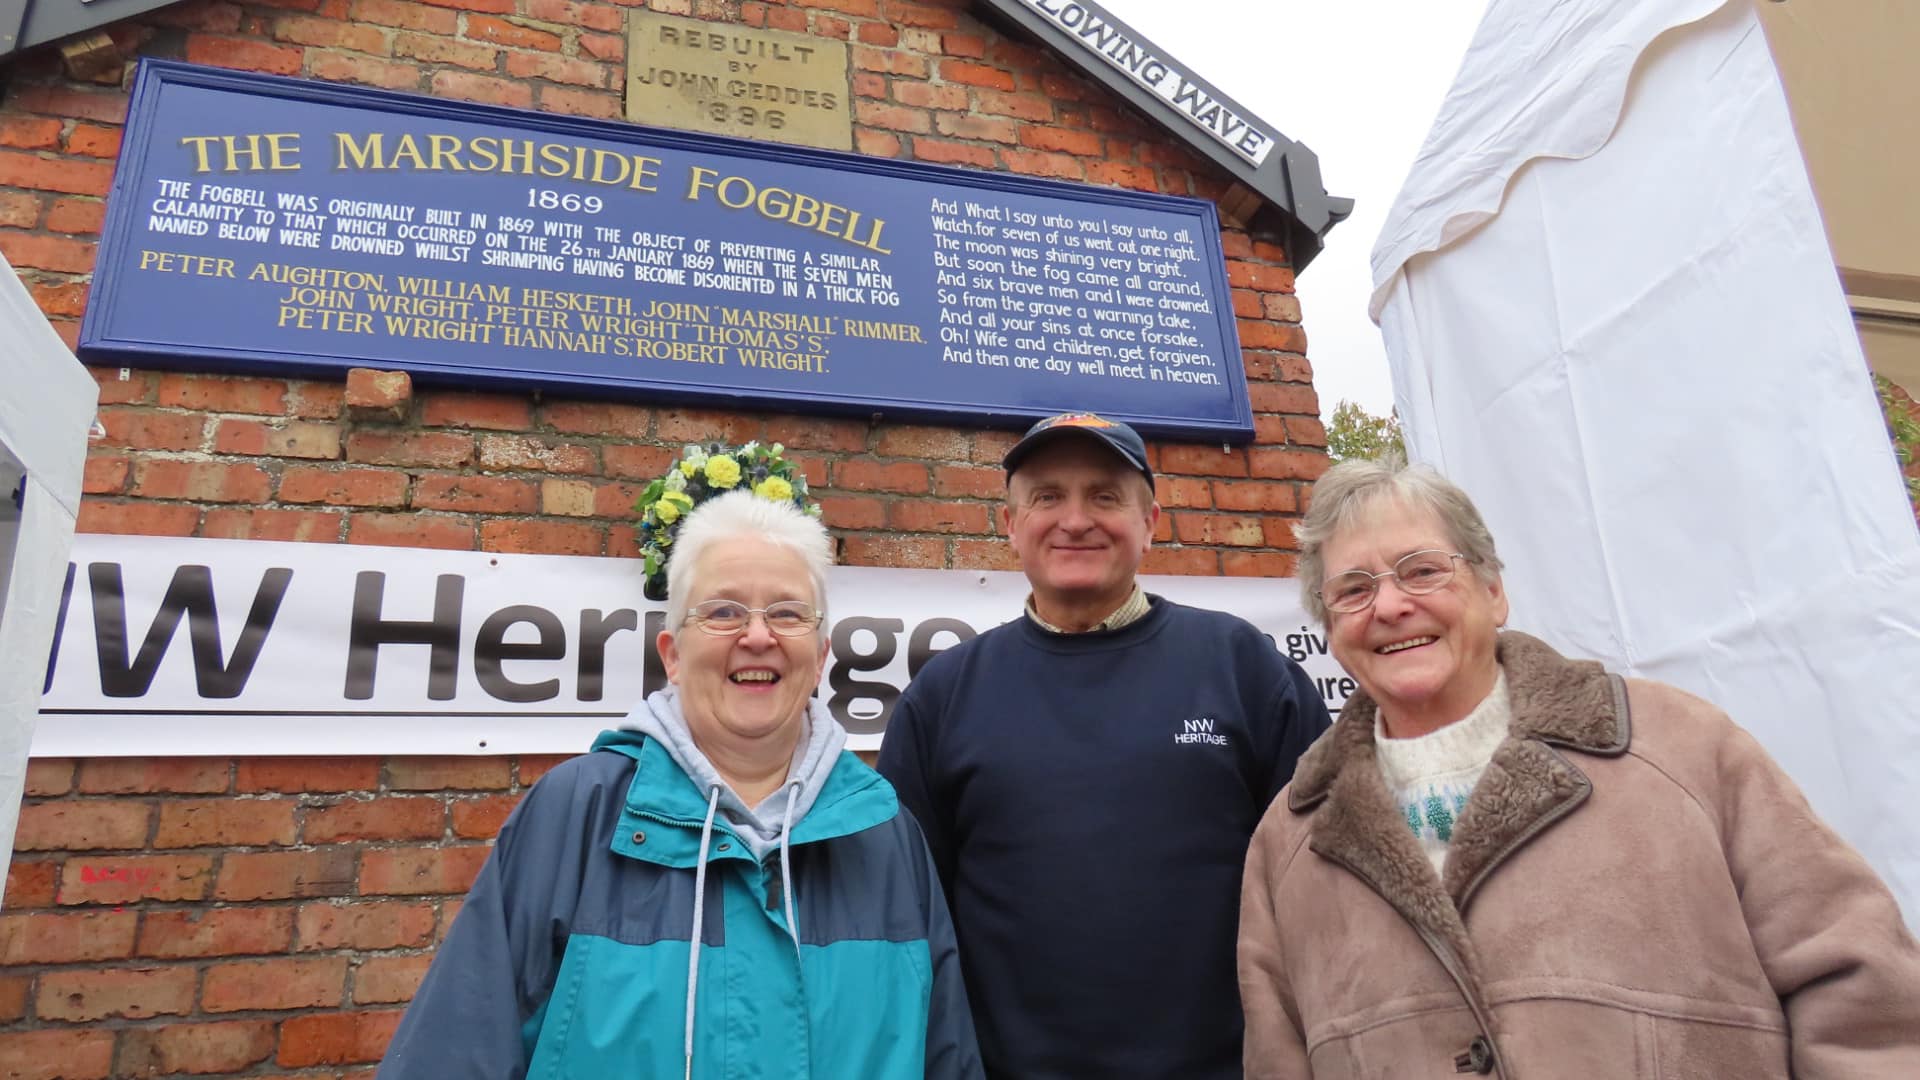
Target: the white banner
pixel 215 647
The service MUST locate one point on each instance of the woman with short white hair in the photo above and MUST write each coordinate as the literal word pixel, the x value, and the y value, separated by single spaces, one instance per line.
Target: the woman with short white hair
pixel 1503 861
pixel 721 889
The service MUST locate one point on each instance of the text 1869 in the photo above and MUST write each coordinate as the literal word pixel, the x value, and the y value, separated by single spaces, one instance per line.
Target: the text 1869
pixel 543 199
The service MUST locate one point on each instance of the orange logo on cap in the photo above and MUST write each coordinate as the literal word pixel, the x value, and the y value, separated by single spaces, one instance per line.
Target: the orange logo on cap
pixel 1084 419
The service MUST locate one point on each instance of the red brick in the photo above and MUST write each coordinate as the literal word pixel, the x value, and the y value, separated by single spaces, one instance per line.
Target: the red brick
pixel 219 18
pixel 225 823
pixel 535 766
pixel 1306 431
pixel 598 418
pixel 868 9
pixel 31 884
pixel 1259 278
pixel 343 487
pixel 424 449
pixel 937 18
pixel 1265 564
pixel 1111 174
pixel 336 1038
pixel 844 512
pixel 280 875
pixel 406 16
pixel 106 474
pixel 560 69
pixel 49 776
pixel 860 475
pixel 76 216
pixel 439 50
pixel 294 775
pixel 221 1047
pixel 1039 163
pixel 968 45
pixel 89 825
pixel 383 980
pixel 131 879
pixel 1194 459
pixel 449 773
pixel 705 425
pixel 316 526
pixel 13 1000
pixel 379 393
pixel 1283 337
pixel 877 33
pixel 542 537
pixel 1289 464
pixel 818 433
pixel 221 394
pixel 315 400
pixel 1190 562
pixel 1034 107
pixel 942 152
pixel 66 938
pixel 481 818
pixel 329 34
pixel 568 13
pixel 984 555
pixel 497 411
pixel 1182 493
pixel 481 494
pixel 22 169
pixel 139 776
pixel 201 481
pixel 969 73
pixel 1255 495
pixel 939 517
pixel 30 132
pixel 55 253
pixel 1284 398
pixel 294 983
pixel 1193 528
pixel 866 84
pixel 227 931
pixel 91 140
pixel 293 439
pixel 637 462
pixel 379 924
pixel 243 54
pixel 105 106
pixel 137 518
pixel 417 871
pixel 501 32
pixel 366 70
pixel 411 530
pixel 921 553
pixel 129 993
pixel 969 482
pixel 56 1054
pixel 892 117
pixel 146 429
pixel 375 819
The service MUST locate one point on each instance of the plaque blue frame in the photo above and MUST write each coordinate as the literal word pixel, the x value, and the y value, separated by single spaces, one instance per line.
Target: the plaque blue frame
pixel 199 321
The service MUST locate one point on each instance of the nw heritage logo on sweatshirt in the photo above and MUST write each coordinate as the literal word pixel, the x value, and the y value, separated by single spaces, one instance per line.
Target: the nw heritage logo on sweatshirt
pixel 1199 731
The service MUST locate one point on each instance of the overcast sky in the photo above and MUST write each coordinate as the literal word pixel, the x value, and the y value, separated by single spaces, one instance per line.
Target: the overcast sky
pixel 1357 81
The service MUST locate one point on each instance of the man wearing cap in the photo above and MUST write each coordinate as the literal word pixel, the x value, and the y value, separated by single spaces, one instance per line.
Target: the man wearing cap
pixel 1088 777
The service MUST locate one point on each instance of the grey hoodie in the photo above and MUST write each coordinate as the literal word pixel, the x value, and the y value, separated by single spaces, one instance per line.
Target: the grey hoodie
pixel 659 718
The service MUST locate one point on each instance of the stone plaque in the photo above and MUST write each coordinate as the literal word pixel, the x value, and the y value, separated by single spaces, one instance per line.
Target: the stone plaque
pixel 735 80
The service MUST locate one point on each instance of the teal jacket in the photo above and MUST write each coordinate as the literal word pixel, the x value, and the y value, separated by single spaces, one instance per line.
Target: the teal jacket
pixel 571 958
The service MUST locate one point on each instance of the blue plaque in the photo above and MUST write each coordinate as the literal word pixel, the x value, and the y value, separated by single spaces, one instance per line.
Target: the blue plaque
pixel 281 226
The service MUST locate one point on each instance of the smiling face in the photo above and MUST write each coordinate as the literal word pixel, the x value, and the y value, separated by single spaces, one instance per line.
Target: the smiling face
pixel 753 685
pixel 1081 519
pixel 1425 660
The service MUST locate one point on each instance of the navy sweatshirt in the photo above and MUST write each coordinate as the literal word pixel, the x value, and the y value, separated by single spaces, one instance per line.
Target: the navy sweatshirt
pixel 1088 799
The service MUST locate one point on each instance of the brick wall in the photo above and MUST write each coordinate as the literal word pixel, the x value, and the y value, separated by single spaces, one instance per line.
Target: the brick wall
pixel 270 917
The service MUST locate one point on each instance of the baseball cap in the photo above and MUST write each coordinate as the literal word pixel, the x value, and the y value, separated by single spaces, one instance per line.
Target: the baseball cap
pixel 1112 434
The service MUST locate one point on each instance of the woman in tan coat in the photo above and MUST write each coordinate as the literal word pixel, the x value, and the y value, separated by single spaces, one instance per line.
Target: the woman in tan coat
pixel 1503 861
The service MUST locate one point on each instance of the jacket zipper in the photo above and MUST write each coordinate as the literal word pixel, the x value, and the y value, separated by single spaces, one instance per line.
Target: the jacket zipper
pixel 1443 953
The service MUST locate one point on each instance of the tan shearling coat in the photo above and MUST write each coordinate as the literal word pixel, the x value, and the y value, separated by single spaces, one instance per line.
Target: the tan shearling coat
pixel 1634 889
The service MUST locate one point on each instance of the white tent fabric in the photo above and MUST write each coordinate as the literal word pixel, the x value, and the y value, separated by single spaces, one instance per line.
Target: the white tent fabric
pixel 46 406
pixel 1612 317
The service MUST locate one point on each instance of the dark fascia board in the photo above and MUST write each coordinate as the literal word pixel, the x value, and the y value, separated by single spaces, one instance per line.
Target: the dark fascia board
pixel 1282 172
pixel 27 23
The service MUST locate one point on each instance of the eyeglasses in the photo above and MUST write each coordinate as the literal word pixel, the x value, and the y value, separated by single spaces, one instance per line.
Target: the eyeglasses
pixel 724 618
pixel 1418 573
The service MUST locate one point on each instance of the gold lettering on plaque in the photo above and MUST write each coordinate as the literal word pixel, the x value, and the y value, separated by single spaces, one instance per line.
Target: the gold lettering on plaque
pixel 735 80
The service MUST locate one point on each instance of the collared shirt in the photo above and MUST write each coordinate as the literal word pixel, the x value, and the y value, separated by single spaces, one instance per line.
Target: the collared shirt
pixel 1130 611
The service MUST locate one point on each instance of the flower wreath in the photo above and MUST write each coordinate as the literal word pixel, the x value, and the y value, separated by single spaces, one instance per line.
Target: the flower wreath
pixel 702 473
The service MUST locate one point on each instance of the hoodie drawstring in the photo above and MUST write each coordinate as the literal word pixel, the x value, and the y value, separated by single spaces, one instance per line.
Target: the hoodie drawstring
pixel 786 866
pixel 699 915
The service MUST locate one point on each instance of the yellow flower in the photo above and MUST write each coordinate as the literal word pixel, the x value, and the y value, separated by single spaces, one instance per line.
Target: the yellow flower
pixel 671 506
pixel 774 488
pixel 689 468
pixel 722 471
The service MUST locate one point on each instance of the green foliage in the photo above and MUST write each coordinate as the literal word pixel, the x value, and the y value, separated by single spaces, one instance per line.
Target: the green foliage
pixel 1356 433
pixel 1903 429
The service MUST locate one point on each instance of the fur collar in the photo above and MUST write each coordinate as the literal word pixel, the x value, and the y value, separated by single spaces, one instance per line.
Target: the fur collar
pixel 1528 786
